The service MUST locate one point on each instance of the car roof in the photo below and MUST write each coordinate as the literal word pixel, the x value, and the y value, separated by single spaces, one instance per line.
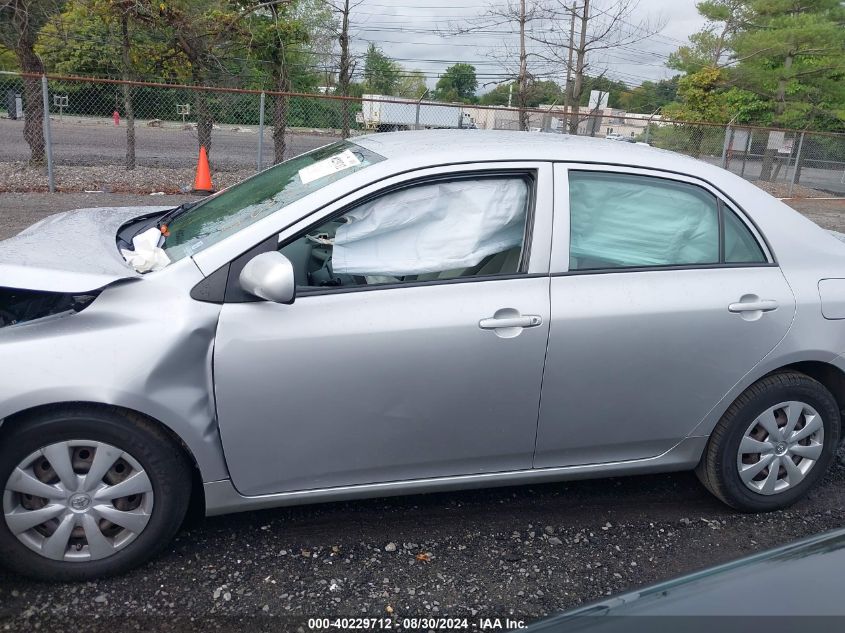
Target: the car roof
pixel 447 146
pixel 780 224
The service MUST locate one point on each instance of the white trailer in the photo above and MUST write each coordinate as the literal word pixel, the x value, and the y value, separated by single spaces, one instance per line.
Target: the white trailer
pixel 390 114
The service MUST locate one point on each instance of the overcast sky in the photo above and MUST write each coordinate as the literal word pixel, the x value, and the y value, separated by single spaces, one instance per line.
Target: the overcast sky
pixel 418 34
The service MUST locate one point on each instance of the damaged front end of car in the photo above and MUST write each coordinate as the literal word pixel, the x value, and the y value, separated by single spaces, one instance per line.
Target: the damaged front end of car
pixel 22 306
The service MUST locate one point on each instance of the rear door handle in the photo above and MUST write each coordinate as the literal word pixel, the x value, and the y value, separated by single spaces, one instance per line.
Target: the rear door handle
pixel 526 320
pixel 762 305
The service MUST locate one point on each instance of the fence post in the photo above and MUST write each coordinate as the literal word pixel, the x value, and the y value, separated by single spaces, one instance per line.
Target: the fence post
pixel 725 146
pixel 48 143
pixel 261 131
pixel 795 167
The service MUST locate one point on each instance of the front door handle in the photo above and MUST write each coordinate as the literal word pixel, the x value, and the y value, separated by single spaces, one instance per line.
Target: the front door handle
pixel 761 305
pixel 494 323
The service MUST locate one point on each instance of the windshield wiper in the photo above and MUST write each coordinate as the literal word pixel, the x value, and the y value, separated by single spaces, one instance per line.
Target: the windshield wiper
pixel 135 228
pixel 175 212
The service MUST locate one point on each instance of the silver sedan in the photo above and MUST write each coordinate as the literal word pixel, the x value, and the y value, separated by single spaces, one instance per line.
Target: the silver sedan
pixel 406 313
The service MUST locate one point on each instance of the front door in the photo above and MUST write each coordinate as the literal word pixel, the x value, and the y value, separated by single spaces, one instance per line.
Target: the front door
pixel 414 348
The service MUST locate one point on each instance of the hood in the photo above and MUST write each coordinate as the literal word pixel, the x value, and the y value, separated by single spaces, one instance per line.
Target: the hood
pixel 73 251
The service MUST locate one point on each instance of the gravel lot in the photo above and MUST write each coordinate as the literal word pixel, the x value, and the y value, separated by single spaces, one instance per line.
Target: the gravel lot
pixel 522 552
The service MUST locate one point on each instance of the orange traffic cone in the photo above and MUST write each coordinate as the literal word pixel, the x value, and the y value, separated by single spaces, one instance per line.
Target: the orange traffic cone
pixel 202 183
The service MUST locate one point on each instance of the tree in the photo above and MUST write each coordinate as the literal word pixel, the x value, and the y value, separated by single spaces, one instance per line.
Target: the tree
pixel 411 85
pixel 381 74
pixel 277 34
pixel 206 33
pixel 126 10
pixel 498 96
pixel 458 83
pixel 346 65
pixel 86 39
pixel 700 98
pixel 793 55
pixel 512 14
pixel 7 58
pixel 539 93
pixel 574 31
pixel 711 46
pixel 650 96
pixel 20 22
pixel 615 89
pixel 125 13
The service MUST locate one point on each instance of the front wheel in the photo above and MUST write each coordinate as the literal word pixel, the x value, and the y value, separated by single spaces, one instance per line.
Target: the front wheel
pixel 773 444
pixel 88 493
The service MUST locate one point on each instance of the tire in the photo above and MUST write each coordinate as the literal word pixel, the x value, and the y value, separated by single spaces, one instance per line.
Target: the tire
pixel 779 397
pixel 141 447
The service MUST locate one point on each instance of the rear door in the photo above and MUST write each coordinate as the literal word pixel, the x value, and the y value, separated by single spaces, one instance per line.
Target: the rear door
pixel 662 297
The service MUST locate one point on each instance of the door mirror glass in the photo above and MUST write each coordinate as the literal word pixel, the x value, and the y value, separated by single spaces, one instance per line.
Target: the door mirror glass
pixel 269 276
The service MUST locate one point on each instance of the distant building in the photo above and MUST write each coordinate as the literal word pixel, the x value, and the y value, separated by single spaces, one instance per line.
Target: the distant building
pixel 598 122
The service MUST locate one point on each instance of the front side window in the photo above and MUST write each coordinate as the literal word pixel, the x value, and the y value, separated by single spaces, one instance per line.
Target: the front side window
pixel 631 221
pixel 426 232
pixel 265 193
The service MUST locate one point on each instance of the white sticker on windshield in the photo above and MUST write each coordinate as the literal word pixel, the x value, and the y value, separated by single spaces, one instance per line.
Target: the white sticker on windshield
pixel 329 166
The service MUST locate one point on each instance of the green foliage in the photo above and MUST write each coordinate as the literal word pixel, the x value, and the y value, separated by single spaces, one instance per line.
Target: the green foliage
pixel 85 40
pixel 700 98
pixel 689 139
pixel 615 88
pixel 276 38
pixel 709 46
pixel 381 74
pixel 649 96
pixel 498 96
pixel 788 65
pixel 7 58
pixel 411 85
pixel 539 93
pixel 19 19
pixel 458 83
pixel 794 54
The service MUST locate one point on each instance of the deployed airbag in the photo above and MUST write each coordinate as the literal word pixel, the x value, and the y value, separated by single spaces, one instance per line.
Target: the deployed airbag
pixel 146 255
pixel 625 220
pixel 432 228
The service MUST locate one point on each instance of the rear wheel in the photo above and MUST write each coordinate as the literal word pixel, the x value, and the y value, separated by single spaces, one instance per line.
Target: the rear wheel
pixel 88 493
pixel 773 444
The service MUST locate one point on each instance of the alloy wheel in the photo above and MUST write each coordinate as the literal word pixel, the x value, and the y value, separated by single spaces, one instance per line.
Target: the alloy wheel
pixel 77 500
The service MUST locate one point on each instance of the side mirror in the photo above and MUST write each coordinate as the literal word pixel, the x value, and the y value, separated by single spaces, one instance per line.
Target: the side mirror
pixel 269 276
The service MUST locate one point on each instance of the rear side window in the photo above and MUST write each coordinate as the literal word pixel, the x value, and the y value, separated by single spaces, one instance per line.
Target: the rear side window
pixel 740 245
pixel 632 221
pixel 624 221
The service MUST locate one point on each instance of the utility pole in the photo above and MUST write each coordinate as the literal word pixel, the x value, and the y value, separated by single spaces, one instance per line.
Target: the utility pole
pixel 344 76
pixel 522 97
pixel 567 97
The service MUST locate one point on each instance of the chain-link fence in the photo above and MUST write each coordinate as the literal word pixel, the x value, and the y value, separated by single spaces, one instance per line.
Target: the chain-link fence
pixel 126 124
